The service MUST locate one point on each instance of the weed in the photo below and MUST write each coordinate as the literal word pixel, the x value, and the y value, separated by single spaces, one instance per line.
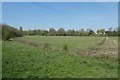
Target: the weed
pixel 32 44
pixel 102 42
pixel 65 47
pixel 46 45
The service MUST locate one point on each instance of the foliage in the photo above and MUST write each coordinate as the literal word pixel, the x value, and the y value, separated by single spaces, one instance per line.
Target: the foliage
pixel 61 32
pixel 10 32
pixel 65 47
pixel 52 32
pixel 13 32
pixel 21 29
pixel 83 33
pixel 91 32
pixel 102 31
pixel 6 36
pixel 112 33
pixel 46 45
pixel 71 32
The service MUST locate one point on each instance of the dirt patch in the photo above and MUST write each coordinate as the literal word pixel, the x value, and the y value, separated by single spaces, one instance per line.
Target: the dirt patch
pixel 105 48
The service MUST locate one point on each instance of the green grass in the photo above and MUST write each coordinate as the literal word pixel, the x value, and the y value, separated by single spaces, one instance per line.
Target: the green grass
pixel 59 42
pixel 27 61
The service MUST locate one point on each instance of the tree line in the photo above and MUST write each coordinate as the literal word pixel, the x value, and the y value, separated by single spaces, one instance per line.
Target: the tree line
pixel 11 32
pixel 72 32
pixel 60 32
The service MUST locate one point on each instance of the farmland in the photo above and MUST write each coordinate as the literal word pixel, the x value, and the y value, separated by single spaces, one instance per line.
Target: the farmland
pixel 85 57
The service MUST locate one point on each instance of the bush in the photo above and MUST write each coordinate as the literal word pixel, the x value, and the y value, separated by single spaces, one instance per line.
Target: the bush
pixel 9 32
pixel 65 47
pixel 6 36
pixel 46 45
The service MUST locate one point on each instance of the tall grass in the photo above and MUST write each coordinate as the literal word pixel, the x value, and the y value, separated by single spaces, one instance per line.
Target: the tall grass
pixel 65 47
pixel 46 45
pixel 102 41
pixel 26 61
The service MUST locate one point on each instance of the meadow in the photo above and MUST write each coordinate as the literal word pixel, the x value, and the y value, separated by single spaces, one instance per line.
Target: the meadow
pixel 46 57
pixel 59 41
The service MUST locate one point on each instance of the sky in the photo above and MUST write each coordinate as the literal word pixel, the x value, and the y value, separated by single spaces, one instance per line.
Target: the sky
pixel 60 0
pixel 69 15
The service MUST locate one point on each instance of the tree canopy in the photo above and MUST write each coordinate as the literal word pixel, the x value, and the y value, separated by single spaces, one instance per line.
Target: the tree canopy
pixel 8 32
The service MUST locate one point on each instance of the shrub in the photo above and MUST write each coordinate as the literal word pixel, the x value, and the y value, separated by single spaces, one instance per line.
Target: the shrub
pixel 46 45
pixel 9 32
pixel 65 47
pixel 6 36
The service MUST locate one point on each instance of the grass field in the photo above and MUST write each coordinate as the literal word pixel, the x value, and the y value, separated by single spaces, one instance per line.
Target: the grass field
pixel 58 42
pixel 27 58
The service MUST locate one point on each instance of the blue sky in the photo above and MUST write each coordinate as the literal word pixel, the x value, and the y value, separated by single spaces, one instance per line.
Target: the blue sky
pixel 69 15
pixel 60 0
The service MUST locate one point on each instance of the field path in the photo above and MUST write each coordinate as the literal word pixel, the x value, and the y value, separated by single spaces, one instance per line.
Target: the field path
pixel 110 48
pixel 109 43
